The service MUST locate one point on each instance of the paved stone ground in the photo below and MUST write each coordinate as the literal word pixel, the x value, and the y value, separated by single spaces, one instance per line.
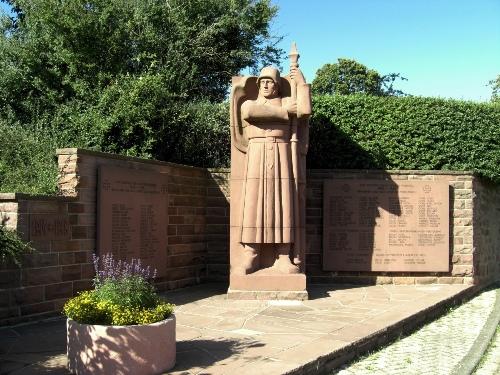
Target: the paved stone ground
pixel 220 336
pixel 436 348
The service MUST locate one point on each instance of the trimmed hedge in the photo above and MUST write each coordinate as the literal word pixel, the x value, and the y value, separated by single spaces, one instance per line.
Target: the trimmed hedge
pixel 347 132
pixel 367 132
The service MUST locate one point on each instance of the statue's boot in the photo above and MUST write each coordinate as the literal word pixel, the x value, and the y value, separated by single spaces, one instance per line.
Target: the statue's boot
pixel 283 263
pixel 249 261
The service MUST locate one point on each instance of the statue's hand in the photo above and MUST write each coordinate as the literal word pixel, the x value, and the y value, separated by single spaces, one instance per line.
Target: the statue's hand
pixel 297 76
pixel 291 107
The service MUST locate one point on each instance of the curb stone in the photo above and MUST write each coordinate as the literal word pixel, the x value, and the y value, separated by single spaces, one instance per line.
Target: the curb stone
pixel 471 360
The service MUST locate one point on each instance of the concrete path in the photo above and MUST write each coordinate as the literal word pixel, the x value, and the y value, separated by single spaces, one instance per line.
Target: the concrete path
pixel 220 336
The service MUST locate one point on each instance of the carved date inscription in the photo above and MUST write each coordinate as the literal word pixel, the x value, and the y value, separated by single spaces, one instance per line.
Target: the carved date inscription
pixel 49 227
pixel 132 215
pixel 386 225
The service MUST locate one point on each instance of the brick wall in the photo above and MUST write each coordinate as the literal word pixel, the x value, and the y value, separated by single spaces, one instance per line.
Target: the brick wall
pixel 218 225
pixel 187 194
pixel 198 232
pixel 57 270
pixel 474 229
pixel 486 234
pixel 62 267
pixel 460 219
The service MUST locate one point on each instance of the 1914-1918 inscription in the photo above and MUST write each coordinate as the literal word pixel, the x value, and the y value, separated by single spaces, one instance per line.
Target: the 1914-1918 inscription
pixel 133 219
pixel 386 225
pixel 49 227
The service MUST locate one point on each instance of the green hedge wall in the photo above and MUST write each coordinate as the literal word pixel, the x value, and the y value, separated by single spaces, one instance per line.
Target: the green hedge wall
pixel 362 131
pixel 358 131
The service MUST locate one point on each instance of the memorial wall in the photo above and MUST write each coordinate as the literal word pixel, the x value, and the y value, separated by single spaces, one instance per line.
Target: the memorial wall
pixel 132 213
pixel 459 246
pixel 153 210
pixel 399 215
pixel 386 225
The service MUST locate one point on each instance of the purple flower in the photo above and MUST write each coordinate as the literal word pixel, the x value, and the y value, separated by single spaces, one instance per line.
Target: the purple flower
pixel 107 268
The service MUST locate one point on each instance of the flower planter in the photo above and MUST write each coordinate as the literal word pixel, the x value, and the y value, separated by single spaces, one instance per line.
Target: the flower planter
pixel 137 349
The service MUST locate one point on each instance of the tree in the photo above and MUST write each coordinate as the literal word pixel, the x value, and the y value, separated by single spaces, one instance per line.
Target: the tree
pixel 110 74
pixel 56 51
pixel 349 77
pixel 495 84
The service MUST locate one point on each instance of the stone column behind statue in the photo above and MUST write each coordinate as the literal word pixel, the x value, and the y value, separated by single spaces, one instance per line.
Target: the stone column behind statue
pixel 269 140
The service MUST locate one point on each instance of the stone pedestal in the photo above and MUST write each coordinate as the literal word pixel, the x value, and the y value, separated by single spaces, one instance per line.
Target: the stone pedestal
pixel 264 286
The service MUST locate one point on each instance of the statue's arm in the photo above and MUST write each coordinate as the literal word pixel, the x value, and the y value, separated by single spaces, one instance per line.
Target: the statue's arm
pixel 304 106
pixel 251 110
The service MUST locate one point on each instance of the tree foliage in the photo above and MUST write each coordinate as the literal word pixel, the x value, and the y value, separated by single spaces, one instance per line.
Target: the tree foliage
pixel 495 85
pixel 348 77
pixel 112 75
pixel 353 131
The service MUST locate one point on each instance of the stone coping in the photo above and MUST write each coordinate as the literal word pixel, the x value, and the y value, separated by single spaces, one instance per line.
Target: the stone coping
pixel 15 197
pixel 372 171
pixel 397 171
pixel 82 151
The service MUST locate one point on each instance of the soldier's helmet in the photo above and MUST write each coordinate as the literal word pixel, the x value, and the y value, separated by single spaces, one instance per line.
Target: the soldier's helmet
pixel 270 72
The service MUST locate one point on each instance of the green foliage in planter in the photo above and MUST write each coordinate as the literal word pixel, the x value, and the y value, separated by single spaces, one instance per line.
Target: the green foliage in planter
pixel 12 247
pixel 88 308
pixel 367 132
pixel 129 292
pixel 85 308
pixel 123 295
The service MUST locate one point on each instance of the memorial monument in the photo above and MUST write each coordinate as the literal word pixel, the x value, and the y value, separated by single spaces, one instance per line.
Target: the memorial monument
pixel 269 141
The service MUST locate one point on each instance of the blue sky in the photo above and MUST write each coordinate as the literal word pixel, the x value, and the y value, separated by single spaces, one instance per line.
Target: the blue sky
pixel 446 48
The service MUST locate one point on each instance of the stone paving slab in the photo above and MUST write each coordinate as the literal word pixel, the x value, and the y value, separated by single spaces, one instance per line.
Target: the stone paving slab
pixel 273 337
pixel 216 335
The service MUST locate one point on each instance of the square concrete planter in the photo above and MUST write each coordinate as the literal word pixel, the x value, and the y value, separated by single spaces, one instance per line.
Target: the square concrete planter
pixel 137 349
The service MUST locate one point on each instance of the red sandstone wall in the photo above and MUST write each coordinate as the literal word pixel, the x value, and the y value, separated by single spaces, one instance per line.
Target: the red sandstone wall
pixel 198 232
pixel 474 229
pixel 218 225
pixel 460 219
pixel 486 234
pixel 187 192
pixel 61 268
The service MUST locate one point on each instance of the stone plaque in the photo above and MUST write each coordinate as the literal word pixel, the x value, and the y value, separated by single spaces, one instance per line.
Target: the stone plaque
pixel 132 215
pixel 46 227
pixel 386 225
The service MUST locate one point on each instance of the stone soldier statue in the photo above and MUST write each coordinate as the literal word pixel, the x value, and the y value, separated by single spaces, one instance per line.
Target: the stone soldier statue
pixel 269 128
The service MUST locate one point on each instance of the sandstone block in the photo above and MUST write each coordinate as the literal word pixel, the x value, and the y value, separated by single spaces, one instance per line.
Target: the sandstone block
pixel 60 290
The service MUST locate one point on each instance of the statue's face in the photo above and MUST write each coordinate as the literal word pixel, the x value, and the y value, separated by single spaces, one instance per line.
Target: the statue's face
pixel 267 88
